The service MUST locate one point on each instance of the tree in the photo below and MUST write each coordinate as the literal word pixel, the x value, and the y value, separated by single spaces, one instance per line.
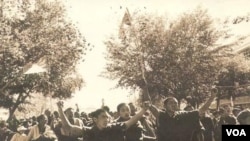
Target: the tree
pixel 233 79
pixel 234 76
pixel 173 56
pixel 40 30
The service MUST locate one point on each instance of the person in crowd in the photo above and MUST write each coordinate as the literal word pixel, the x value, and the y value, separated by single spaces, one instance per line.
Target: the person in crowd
pixel 20 135
pixel 102 130
pixel 135 132
pixel 207 122
pixel 149 128
pixel 85 118
pixel 64 135
pixel 244 117
pixel 55 120
pixel 5 133
pixel 176 125
pixel 216 117
pixel 151 119
pixel 106 108
pixel 26 124
pixel 77 115
pixel 56 115
pixel 132 109
pixel 191 102
pixel 49 115
pixel 115 115
pixel 77 112
pixel 69 112
pixel 226 117
pixel 34 120
pixel 41 131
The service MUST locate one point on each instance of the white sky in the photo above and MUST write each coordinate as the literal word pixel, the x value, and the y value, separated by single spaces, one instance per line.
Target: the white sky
pixel 97 19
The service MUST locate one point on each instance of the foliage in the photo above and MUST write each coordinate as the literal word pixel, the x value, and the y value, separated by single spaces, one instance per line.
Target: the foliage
pixel 234 76
pixel 40 31
pixel 174 56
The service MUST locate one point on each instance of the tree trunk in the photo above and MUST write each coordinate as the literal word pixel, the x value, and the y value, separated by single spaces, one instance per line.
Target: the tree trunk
pixel 21 98
pixel 11 113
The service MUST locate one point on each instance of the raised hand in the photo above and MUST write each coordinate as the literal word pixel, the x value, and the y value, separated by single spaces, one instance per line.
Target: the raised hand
pixel 60 104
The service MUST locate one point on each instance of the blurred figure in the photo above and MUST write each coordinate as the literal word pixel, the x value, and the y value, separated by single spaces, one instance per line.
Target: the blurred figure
pixel 34 121
pixel 102 130
pixel 85 118
pixel 226 118
pixel 56 116
pixel 49 115
pixel 115 115
pixel 136 131
pixel 27 126
pixel 77 115
pixel 176 125
pixel 55 120
pixel 244 117
pixel 132 109
pixel 65 135
pixel 20 135
pixel 5 132
pixel 207 122
pixel 41 131
pixel 148 127
pixel 71 117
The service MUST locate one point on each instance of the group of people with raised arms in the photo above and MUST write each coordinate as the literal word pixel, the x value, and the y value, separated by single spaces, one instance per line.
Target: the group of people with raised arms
pixel 150 123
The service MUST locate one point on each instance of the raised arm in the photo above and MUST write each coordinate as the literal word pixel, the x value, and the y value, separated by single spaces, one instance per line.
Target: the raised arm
pixel 146 96
pixel 75 131
pixel 205 107
pixel 136 117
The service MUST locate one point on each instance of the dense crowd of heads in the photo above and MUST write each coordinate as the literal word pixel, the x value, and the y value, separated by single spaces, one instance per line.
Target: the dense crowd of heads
pixel 211 122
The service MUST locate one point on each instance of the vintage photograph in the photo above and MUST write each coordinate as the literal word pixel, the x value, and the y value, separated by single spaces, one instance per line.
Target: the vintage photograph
pixel 123 70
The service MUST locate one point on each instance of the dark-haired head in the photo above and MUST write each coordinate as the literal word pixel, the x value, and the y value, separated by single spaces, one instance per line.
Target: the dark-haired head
pixel 123 111
pixel 97 112
pixel 119 106
pixel 100 118
pixel 69 112
pixel 166 100
pixel 244 117
pixel 132 108
pixel 42 119
pixel 106 108
pixel 171 104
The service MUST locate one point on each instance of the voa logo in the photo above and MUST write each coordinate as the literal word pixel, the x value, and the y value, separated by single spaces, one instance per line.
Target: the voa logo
pixel 236 132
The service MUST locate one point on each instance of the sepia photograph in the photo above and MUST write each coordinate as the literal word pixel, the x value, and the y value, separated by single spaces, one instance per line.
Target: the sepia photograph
pixel 124 70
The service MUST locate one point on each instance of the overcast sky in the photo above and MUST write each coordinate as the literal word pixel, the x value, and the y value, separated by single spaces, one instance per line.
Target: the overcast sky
pixel 98 19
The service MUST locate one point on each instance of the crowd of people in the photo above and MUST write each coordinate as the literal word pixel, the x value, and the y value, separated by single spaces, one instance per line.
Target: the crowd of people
pixel 130 123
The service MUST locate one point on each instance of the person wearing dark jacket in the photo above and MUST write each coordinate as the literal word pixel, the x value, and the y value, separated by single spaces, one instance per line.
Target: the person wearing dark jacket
pixel 102 130
pixel 176 125
pixel 135 132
